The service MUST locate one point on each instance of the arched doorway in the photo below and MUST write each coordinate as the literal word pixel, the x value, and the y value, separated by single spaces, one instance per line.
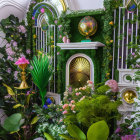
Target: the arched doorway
pixel 79 70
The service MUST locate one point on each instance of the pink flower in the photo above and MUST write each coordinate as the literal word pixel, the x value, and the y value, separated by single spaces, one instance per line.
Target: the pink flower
pixel 22 29
pixel 61 110
pixel 89 82
pixel 15 44
pixel 65 112
pixel 59 26
pixel 60 36
pixel 113 85
pixel 72 101
pixel 33 18
pixel 22 60
pixel 10 58
pixel 83 88
pixel 65 106
pixel 72 107
pixel 82 98
pixel 42 10
pixel 77 94
pixel 8 45
pixel 10 52
pixel 61 120
pixel 55 21
pixel 133 53
pixel 58 53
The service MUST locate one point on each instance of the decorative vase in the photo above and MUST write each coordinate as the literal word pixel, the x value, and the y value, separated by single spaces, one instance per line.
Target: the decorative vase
pixel 23 84
pixel 68 40
pixel 64 39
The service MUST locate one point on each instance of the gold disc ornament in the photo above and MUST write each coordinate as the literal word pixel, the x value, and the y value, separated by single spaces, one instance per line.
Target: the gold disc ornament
pixel 129 96
pixel 87 26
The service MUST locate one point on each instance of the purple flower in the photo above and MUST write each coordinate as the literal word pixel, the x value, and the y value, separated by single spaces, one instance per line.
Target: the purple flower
pixel 9 70
pixel 15 44
pixel 118 130
pixel 28 51
pixel 16 75
pixel 133 53
pixel 10 58
pixel 8 45
pixel 58 53
pixel 28 92
pixel 10 52
pixel 137 66
pixel 33 18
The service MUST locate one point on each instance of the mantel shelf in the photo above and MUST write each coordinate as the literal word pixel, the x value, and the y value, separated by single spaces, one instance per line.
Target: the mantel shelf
pixel 80 45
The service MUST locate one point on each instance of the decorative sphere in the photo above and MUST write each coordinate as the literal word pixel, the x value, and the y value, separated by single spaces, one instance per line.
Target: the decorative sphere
pixel 87 26
pixel 129 96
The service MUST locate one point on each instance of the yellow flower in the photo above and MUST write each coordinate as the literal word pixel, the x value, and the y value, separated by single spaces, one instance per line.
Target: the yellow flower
pixel 111 23
pixel 107 42
pixel 12 36
pixel 107 74
pixel 34 36
pixel 111 41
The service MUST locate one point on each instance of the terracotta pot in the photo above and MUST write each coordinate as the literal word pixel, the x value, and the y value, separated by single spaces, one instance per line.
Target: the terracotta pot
pixel 64 39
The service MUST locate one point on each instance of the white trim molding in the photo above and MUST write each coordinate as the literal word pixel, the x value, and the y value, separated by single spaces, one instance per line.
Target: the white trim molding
pixel 4 3
pixel 68 67
pixel 80 45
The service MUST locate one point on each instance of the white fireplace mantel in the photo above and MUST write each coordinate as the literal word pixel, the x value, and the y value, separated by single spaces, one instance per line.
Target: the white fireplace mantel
pixel 80 45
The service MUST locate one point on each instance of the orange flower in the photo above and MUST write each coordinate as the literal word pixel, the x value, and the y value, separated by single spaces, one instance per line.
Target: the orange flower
pixel 111 41
pixel 111 23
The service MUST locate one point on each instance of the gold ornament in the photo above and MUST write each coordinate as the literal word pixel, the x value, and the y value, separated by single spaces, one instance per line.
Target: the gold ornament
pixel 87 26
pixel 23 84
pixel 129 96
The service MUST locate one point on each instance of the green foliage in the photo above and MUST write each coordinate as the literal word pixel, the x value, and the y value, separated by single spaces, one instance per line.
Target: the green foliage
pixel 128 77
pixel 41 73
pixel 76 132
pixel 14 48
pixel 98 131
pixel 103 89
pixel 48 136
pixel 91 110
pixel 13 123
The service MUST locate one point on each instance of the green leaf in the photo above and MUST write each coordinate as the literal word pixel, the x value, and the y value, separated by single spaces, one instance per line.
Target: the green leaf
pixel 12 123
pixel 98 131
pixel 34 120
pixel 48 136
pixel 66 137
pixel 76 132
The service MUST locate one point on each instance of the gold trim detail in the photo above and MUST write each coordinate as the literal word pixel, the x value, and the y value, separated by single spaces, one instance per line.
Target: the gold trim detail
pixel 63 5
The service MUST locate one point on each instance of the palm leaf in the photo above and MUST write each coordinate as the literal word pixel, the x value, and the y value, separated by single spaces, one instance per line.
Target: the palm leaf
pixel 41 73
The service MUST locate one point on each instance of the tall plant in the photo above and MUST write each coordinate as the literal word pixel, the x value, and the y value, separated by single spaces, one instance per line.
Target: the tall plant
pixel 41 73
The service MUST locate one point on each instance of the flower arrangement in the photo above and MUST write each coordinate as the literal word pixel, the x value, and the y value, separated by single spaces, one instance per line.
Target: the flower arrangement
pixel 113 85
